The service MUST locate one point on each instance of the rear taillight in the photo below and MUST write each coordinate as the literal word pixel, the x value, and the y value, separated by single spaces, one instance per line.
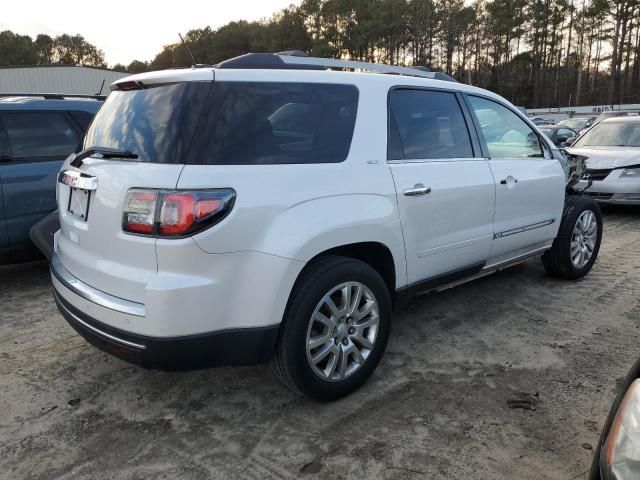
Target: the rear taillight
pixel 165 213
pixel 139 211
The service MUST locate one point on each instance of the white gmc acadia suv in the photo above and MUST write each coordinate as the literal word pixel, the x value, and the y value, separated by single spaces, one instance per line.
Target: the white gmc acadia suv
pixel 276 207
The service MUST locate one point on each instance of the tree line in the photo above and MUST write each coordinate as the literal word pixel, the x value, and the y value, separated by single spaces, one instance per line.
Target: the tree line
pixel 536 53
pixel 18 49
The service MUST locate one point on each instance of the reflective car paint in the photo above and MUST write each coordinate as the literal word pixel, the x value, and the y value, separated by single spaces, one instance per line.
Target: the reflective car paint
pixel 27 185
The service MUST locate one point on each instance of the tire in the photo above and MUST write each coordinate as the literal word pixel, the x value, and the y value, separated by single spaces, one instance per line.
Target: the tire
pixel 558 260
pixel 310 330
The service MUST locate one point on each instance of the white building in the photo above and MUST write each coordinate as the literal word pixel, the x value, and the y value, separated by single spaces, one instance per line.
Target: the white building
pixel 560 113
pixel 74 79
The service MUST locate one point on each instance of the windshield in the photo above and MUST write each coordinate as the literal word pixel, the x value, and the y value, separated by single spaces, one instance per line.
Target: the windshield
pixel 547 131
pixel 575 123
pixel 612 134
pixel 156 123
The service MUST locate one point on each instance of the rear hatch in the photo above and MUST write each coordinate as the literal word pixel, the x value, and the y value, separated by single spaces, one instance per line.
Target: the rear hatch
pixel 154 118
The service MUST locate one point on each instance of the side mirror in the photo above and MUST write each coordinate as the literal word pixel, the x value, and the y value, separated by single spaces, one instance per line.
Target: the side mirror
pixel 569 141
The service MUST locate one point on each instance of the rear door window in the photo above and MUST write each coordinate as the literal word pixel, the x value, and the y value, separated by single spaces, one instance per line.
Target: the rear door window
pixel 429 125
pixel 251 123
pixel 39 135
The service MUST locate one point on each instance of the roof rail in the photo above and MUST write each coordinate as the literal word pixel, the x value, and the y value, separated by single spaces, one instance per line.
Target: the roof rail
pixel 297 60
pixel 53 96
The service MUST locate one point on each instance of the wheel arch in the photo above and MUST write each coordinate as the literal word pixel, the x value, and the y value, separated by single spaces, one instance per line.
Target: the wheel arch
pixel 375 254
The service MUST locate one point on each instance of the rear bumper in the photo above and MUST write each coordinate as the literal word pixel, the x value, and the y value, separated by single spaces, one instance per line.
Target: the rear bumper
pixel 42 233
pixel 129 331
pixel 245 346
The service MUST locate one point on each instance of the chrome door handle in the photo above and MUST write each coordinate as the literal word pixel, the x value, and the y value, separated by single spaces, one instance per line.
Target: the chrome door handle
pixel 509 179
pixel 417 190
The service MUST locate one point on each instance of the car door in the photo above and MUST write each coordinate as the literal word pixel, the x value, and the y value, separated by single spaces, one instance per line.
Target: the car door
pixel 5 155
pixel 530 184
pixel 39 143
pixel 445 189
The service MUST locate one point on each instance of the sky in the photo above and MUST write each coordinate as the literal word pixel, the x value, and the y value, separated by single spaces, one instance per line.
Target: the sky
pixel 129 30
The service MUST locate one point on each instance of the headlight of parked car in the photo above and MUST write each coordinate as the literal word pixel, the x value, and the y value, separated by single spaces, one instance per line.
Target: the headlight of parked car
pixel 630 172
pixel 620 453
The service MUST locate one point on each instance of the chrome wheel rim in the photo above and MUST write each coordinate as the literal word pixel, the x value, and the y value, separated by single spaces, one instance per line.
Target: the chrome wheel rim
pixel 342 331
pixel 583 239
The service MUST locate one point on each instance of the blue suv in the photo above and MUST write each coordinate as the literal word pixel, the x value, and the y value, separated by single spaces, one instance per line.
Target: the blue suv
pixel 37 132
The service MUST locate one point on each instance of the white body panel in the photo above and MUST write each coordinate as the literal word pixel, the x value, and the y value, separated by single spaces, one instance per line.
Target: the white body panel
pixel 451 227
pixel 97 251
pixel 195 292
pixel 240 272
pixel 532 196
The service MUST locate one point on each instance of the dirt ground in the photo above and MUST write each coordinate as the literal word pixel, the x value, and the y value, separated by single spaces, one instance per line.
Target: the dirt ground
pixel 435 408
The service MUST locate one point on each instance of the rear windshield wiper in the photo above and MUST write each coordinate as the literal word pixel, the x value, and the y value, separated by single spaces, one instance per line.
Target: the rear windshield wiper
pixel 104 152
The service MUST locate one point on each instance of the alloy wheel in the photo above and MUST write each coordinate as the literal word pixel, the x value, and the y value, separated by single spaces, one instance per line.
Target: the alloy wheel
pixel 583 239
pixel 342 331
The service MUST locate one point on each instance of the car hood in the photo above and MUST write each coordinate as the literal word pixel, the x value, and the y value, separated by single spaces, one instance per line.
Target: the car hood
pixel 607 157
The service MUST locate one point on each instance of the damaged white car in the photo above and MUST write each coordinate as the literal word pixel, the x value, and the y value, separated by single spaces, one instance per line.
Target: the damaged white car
pixel 611 153
pixel 273 209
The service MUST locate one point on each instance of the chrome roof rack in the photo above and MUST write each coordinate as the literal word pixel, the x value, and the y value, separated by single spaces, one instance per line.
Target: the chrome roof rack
pixel 299 60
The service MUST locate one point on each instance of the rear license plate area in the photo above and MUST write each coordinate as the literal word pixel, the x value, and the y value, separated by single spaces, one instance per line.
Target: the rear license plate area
pixel 79 200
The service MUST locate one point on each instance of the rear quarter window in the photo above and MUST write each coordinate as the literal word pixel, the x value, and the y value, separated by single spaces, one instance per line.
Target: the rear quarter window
pixel 250 123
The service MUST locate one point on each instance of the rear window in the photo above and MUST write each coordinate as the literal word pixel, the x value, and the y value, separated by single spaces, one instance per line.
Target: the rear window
pixel 249 123
pixel 156 123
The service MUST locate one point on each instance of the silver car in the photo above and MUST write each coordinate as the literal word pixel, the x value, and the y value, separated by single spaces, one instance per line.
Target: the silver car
pixel 611 150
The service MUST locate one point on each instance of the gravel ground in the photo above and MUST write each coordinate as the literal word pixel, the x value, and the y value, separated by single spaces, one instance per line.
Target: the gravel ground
pixel 435 408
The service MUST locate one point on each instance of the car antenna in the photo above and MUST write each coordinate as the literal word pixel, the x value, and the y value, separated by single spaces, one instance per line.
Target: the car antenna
pixel 187 49
pixel 101 87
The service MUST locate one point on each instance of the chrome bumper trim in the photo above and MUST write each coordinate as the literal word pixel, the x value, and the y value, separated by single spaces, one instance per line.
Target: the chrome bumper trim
pixel 97 331
pixel 94 295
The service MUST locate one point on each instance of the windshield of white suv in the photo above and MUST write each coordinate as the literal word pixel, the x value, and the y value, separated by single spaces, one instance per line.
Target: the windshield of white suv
pixel 611 134
pixel 249 123
pixel 157 123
